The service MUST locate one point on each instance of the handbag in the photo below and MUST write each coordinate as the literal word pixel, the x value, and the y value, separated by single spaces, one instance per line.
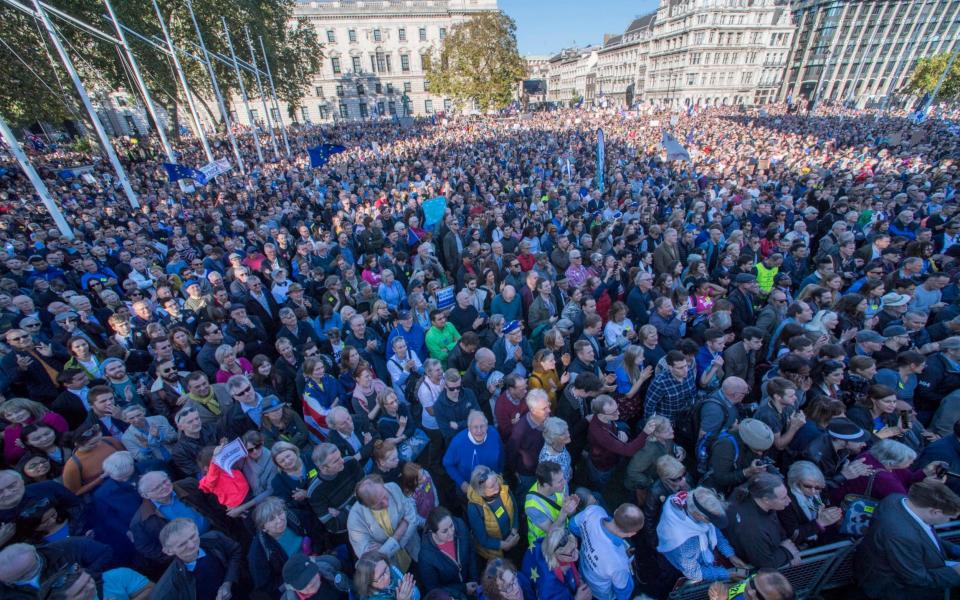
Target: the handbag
pixel 858 511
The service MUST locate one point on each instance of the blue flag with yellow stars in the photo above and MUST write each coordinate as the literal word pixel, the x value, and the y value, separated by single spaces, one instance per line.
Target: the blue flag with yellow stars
pixel 319 155
pixel 178 172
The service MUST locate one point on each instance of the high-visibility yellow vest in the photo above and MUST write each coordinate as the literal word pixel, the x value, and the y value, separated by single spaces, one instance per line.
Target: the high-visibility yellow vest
pixel 538 502
pixel 765 277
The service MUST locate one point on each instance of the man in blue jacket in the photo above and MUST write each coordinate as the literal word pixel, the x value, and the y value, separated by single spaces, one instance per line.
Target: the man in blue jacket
pixel 476 445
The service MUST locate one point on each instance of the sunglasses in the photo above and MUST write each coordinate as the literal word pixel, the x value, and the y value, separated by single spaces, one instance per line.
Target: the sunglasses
pixel 752 585
pixel 243 391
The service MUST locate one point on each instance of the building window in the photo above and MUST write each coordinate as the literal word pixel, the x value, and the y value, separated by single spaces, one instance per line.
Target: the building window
pixel 255 115
pixel 331 36
pixel 389 88
pixel 275 115
pixel 305 114
pixel 377 36
pixel 373 64
pixel 340 90
pixel 380 110
pixel 360 90
pixel 324 113
pixel 357 67
pixel 426 85
pixel 423 34
pixel 405 63
pixel 378 88
pixel 425 62
pixel 402 34
pixel 381 63
pixel 447 105
pixel 335 63
pixel 344 111
pixel 363 111
pixel 319 91
pixel 428 106
pixel 407 86
pixel 352 34
pixel 443 33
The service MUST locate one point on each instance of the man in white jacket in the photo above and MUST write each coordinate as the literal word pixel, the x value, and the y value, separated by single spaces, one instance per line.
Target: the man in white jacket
pixel 604 560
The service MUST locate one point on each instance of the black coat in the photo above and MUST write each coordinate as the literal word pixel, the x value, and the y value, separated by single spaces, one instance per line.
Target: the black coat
pixel 743 314
pixel 93 557
pixel 179 584
pixel 897 559
pixel 266 558
pixel 756 535
pixel 436 570
pixel 936 381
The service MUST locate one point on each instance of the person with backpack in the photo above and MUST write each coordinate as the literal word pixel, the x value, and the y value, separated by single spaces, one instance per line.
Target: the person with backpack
pixel 698 426
pixel 736 456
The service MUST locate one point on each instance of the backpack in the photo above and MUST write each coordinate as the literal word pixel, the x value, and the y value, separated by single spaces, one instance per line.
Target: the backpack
pixel 687 424
pixel 706 445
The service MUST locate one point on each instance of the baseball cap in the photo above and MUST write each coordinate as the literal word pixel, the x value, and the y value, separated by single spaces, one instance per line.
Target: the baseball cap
pixel 299 571
pixel 894 331
pixel 869 336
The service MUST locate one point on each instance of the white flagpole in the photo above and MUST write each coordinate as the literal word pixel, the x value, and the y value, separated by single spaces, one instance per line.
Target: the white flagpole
pixel 34 178
pixel 183 83
pixel 273 90
pixel 147 100
pixel 243 92
pixel 216 90
pixel 263 96
pixel 85 99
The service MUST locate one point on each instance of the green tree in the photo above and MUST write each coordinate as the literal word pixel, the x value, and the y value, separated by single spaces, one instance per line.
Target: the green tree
pixel 478 62
pixel 927 72
pixel 43 91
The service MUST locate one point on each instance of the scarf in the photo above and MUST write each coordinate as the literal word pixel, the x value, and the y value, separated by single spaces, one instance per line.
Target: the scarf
pixel 208 402
pixel 383 520
pixel 809 506
pixel 676 527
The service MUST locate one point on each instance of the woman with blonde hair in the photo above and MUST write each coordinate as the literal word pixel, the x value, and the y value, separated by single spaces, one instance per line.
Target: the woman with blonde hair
pixel 230 363
pixel 560 577
pixel 20 412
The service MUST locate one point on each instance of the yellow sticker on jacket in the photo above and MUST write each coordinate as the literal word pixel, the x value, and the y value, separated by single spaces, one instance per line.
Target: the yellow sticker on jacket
pixel 499 512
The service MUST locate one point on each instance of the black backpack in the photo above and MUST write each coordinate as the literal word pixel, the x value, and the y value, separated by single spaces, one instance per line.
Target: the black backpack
pixel 687 424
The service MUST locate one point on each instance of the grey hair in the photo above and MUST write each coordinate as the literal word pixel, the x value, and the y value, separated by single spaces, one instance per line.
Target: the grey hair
pixel 286 311
pixel 142 486
pixel 430 364
pixel 660 422
pixel 480 472
pixel 267 510
pixel 721 320
pixel 222 351
pixel 553 428
pixel 174 527
pixel 475 416
pixel 496 319
pixel 236 382
pixel 601 401
pixel 336 413
pixel 709 500
pixel 537 395
pixel 321 452
pixel 484 353
pixel 118 466
pixel 891 453
pixel 804 470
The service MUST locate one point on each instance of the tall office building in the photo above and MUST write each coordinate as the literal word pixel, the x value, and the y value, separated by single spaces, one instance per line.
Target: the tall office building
pixel 861 51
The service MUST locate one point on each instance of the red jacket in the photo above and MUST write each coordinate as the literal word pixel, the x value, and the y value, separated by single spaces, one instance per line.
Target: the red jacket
pixel 606 447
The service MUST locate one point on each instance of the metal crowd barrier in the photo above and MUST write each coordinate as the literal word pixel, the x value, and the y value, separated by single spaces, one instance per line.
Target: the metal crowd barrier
pixel 822 568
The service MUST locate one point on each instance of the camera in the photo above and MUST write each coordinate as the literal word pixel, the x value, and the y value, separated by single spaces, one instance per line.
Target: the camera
pixel 942 471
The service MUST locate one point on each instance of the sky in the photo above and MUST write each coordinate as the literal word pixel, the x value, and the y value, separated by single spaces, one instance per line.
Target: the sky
pixel 546 26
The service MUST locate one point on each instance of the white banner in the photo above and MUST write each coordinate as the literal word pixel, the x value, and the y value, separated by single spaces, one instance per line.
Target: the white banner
pixel 217 167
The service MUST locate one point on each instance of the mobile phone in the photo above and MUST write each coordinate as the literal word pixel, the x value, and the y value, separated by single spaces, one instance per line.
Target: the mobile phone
pixel 905 419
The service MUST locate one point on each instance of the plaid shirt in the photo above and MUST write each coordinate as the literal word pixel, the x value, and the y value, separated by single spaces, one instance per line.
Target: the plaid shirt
pixel 667 396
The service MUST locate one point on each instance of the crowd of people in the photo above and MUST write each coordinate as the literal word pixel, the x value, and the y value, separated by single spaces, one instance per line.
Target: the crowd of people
pixel 296 383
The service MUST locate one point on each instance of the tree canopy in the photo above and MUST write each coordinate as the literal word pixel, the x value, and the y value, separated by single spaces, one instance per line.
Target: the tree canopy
pixel 478 62
pixel 928 71
pixel 40 89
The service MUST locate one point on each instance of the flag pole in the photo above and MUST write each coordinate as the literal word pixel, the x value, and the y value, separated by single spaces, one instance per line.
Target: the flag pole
pixel 216 90
pixel 147 100
pixel 273 90
pixel 263 96
pixel 85 99
pixel 34 178
pixel 191 105
pixel 243 92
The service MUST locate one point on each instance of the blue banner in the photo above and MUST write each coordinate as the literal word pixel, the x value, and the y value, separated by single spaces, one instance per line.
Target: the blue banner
pixel 319 155
pixel 601 159
pixel 178 172
pixel 433 210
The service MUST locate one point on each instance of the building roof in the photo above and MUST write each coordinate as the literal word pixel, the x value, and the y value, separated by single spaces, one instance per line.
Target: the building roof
pixel 642 22
pixel 613 40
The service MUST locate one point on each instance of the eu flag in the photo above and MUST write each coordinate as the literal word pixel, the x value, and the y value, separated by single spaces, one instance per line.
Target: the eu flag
pixel 319 155
pixel 178 172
